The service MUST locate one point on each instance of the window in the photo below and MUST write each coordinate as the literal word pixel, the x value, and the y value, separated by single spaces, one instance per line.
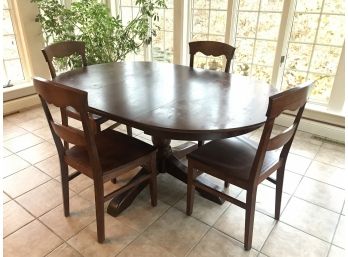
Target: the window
pixel 208 22
pixel 255 35
pixel 12 67
pixel 315 46
pixel 162 43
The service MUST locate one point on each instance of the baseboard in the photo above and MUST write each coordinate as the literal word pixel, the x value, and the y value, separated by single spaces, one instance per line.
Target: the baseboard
pixel 18 104
pixel 317 128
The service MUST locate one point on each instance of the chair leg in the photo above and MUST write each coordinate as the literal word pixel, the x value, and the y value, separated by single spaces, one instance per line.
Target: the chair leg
pixel 249 218
pixel 99 209
pixel 129 131
pixel 190 189
pixel 153 181
pixel 114 180
pixel 279 190
pixel 227 185
pixel 200 143
pixel 65 187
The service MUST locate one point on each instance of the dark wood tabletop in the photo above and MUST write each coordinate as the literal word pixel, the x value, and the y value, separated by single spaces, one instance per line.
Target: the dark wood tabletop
pixel 169 101
pixel 173 101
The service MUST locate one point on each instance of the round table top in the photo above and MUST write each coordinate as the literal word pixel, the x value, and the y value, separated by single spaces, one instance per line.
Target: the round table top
pixel 173 101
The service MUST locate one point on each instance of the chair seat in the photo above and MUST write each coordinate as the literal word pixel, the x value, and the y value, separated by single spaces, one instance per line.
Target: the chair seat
pixel 115 149
pixel 237 160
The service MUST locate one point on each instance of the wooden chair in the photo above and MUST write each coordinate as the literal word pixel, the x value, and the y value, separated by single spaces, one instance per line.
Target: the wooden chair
pixel 243 163
pixel 66 49
pixel 100 156
pixel 213 48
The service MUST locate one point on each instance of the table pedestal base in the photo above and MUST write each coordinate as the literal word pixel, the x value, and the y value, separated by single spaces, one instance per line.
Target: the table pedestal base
pixel 167 161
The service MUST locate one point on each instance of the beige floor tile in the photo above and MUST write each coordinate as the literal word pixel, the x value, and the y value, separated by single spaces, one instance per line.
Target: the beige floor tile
pixel 12 164
pixel 11 131
pixel 33 240
pixel 141 213
pixel 340 238
pixel 38 152
pixel 233 220
pixel 203 209
pixel 337 252
pixel 43 132
pixel 117 237
pixel 43 198
pixel 23 181
pixel 79 183
pixel 304 148
pixel 14 217
pixel 310 218
pixel 64 250
pixel 5 198
pixel 322 194
pixel 327 173
pixel 297 163
pixel 5 152
pixel 145 248
pixel 33 124
pixel 176 232
pixel 286 241
pixel 22 142
pixel 291 181
pixel 170 189
pixel 216 244
pixel 330 156
pixel 50 166
pixel 82 213
pixel 265 200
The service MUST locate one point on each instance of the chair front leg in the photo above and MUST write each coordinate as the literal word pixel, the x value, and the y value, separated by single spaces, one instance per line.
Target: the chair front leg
pixel 279 190
pixel 99 209
pixel 249 218
pixel 64 172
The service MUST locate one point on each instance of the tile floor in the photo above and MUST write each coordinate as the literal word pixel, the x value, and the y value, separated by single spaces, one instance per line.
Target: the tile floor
pixel 312 223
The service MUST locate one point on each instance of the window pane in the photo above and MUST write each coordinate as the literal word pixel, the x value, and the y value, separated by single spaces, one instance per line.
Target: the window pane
pixel 13 69
pixel 249 4
pixel 298 56
pixel 331 30
pixel 247 22
pixel 262 73
pixel 264 52
pixel 244 49
pixel 308 6
pixel 272 5
pixel 334 6
pixel 321 90
pixel 200 21
pixel 304 27
pixel 219 4
pixel 269 25
pixel 325 59
pixel 217 22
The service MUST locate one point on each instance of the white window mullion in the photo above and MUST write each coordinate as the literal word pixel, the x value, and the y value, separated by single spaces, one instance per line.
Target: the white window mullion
pixel 337 97
pixel 283 37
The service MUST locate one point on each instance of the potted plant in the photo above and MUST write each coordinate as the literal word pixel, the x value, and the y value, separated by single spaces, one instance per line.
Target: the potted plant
pixel 106 38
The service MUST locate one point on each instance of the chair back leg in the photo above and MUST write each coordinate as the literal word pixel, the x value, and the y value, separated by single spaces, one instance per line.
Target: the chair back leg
pixel 279 190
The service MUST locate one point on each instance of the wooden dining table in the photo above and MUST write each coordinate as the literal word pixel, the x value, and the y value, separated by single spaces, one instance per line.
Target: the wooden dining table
pixel 172 102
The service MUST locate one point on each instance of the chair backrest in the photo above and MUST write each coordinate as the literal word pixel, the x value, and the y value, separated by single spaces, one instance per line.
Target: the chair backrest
pixel 62 96
pixel 213 48
pixel 293 99
pixel 63 49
